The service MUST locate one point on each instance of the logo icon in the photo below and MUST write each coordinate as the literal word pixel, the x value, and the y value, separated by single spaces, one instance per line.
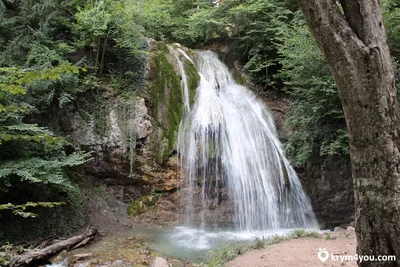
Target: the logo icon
pixel 323 255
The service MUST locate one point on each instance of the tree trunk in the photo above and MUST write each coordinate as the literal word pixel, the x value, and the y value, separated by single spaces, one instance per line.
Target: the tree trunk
pixel 97 54
pixel 352 37
pixel 104 53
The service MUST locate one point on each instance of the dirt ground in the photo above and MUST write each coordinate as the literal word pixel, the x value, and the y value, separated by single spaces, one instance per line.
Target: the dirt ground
pixel 302 253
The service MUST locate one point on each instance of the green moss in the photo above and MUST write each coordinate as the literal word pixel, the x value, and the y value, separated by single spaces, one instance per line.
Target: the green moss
pixel 162 47
pixel 138 207
pixel 167 101
pixel 238 77
pixel 193 80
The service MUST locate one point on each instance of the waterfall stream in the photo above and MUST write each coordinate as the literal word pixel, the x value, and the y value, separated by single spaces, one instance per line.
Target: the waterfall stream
pixel 236 174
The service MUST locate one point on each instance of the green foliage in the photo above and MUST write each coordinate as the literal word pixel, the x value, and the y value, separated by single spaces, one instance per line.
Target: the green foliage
pixel 316 118
pixel 299 233
pixel 228 252
pixel 37 170
pixel 99 22
pixel 259 243
pixel 257 26
pixel 21 209
pixel 14 79
pixel 158 20
pixel 30 154
pixel 35 35
pixel 253 26
pixel 8 252
pixel 100 189
pixel 146 203
pixel 29 166
pixel 328 236
pixel 391 15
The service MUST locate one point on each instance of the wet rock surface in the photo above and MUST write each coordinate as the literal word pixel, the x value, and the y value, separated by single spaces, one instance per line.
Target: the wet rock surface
pixel 330 189
pixel 131 137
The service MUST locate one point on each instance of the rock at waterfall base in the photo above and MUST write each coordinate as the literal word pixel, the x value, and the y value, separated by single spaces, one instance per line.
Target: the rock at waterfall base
pixel 160 262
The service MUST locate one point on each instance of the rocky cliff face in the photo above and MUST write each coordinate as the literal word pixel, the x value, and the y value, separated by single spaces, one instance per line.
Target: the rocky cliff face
pixel 330 188
pixel 132 135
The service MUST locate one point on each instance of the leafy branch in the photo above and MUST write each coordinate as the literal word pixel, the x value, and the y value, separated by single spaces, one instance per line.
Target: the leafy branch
pixel 21 209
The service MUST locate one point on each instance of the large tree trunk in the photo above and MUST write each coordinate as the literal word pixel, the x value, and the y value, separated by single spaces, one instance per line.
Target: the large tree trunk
pixel 352 37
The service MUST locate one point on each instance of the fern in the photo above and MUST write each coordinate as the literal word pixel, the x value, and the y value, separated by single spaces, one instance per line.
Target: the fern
pixel 38 170
pixel 27 132
pixel 21 209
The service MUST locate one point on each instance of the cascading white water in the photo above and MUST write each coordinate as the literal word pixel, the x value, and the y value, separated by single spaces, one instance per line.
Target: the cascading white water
pixel 229 152
pixel 184 80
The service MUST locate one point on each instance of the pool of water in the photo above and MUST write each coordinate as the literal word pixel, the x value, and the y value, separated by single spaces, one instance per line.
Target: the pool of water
pixel 195 245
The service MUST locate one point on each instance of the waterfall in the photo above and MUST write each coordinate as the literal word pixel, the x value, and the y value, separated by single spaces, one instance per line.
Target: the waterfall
pixel 232 159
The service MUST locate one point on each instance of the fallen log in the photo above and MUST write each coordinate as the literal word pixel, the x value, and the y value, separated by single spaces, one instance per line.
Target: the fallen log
pixel 41 254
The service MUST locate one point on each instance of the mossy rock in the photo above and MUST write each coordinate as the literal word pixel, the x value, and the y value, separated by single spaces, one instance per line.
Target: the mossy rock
pixel 167 101
pixel 193 80
pixel 138 207
pixel 167 98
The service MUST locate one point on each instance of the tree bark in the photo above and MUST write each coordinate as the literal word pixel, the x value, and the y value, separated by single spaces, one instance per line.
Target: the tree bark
pixel 36 255
pixel 104 52
pixel 96 64
pixel 351 35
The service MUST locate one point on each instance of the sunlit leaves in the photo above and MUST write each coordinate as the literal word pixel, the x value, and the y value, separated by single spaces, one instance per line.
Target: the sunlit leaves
pixel 27 132
pixel 13 79
pixel 21 209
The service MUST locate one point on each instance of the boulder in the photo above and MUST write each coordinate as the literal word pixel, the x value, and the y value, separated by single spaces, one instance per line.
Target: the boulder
pixel 338 229
pixel 160 262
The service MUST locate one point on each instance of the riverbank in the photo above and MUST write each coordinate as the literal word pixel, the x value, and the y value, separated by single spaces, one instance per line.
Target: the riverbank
pixel 303 252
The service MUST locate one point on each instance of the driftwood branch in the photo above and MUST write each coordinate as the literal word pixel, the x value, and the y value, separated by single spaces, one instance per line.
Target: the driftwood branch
pixel 41 254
